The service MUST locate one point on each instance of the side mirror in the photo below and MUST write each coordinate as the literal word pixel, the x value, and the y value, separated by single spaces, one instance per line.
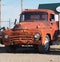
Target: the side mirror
pixel 15 21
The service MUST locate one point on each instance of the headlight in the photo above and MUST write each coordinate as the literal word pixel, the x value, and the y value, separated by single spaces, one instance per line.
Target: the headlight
pixel 37 36
pixel 6 36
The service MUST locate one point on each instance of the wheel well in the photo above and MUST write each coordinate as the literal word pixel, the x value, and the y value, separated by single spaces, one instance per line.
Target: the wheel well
pixel 49 36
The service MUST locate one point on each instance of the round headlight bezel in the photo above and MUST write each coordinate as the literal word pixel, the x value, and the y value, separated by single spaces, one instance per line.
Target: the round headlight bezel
pixel 6 36
pixel 37 36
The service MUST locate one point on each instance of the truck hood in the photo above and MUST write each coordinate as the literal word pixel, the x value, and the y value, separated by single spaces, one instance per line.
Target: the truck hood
pixel 31 25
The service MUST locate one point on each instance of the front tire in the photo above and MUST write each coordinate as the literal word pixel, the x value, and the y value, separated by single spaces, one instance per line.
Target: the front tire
pixel 46 47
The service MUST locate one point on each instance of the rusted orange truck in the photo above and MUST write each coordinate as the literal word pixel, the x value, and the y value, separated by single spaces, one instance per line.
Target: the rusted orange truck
pixel 36 28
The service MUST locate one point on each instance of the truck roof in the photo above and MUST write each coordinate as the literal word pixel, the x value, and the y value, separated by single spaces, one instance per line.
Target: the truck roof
pixel 38 10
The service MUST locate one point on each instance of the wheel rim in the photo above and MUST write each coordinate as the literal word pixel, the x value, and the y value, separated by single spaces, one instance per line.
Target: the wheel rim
pixel 46 44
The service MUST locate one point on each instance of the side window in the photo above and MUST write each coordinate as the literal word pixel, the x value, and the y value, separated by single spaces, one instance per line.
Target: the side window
pixel 52 18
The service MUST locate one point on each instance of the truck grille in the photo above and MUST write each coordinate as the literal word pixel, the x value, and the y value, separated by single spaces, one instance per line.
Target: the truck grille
pixel 20 36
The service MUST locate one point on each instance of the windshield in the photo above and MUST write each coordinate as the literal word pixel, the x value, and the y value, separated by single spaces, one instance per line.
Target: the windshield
pixel 34 16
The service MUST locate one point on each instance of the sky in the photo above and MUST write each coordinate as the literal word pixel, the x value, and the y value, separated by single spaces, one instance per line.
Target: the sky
pixel 12 8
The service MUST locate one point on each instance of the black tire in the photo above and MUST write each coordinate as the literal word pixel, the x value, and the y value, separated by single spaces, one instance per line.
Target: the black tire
pixel 46 47
pixel 11 49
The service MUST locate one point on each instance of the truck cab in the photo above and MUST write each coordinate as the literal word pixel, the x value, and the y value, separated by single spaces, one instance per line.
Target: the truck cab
pixel 36 27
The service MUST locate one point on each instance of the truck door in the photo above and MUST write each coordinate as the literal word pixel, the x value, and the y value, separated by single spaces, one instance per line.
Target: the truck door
pixel 54 25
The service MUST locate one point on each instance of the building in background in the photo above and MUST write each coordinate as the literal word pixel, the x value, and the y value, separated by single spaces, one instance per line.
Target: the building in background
pixel 51 6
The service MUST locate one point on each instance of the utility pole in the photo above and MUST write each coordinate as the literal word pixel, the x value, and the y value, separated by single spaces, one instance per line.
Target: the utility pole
pixel 21 5
pixel 0 13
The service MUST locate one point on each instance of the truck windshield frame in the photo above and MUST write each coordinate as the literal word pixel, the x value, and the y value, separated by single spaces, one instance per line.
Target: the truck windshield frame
pixel 33 16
